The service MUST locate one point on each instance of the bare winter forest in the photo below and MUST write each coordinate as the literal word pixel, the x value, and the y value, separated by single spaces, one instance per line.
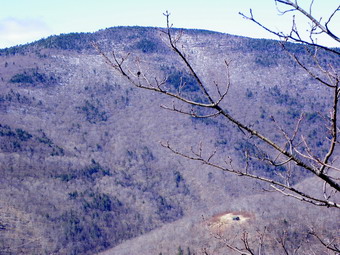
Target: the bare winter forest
pixel 137 140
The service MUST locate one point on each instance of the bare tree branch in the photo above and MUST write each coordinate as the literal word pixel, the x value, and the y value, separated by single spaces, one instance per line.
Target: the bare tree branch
pixel 288 153
pixel 297 194
pixel 294 30
pixel 330 245
pixel 324 29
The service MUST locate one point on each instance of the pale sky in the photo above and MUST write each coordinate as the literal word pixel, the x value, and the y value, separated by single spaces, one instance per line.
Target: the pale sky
pixel 23 21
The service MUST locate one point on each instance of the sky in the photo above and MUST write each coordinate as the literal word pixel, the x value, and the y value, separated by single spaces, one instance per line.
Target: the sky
pixel 24 21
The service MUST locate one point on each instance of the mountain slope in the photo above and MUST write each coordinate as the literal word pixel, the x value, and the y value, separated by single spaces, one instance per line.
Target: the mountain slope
pixel 81 164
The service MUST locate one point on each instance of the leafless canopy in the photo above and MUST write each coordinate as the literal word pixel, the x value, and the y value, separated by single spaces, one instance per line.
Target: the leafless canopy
pixel 316 26
pixel 286 154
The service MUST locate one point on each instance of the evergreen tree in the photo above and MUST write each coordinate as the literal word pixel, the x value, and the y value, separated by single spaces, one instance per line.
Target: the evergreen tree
pixel 180 251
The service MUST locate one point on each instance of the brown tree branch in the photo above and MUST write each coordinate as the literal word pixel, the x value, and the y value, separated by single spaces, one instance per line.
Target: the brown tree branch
pixel 295 193
pixel 289 36
pixel 140 80
pixel 324 29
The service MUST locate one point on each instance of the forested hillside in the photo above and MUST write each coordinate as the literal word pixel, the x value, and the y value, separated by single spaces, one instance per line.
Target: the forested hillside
pixel 82 167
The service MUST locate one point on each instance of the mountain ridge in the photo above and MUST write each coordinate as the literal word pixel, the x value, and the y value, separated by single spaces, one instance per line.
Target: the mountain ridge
pixel 81 162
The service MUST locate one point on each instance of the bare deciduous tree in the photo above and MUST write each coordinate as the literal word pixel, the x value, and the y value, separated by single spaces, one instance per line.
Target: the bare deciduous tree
pixel 295 151
pixel 291 150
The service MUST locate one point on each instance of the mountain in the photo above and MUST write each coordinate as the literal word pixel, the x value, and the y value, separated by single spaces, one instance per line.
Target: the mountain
pixel 82 168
